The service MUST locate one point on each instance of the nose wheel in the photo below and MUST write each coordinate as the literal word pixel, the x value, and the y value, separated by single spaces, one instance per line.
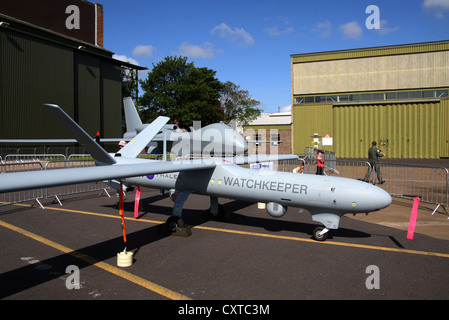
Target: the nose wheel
pixel 320 233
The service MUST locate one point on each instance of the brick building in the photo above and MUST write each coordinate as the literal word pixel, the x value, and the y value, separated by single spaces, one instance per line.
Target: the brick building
pixel 270 133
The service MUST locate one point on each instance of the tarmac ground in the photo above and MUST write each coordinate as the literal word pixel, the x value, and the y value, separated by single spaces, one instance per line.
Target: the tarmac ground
pixel 251 256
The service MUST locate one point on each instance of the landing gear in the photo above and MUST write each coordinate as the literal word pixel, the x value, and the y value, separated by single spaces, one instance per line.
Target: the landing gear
pixel 219 213
pixel 175 226
pixel 320 233
pixel 174 222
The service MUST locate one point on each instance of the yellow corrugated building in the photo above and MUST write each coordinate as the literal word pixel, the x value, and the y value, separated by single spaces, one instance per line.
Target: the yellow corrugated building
pixel 395 95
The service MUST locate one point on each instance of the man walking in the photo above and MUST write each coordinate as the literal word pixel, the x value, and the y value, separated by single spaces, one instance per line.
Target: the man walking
pixel 373 158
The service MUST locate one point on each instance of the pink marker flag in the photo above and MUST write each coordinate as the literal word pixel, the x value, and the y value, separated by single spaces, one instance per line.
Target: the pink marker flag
pixel 136 203
pixel 413 216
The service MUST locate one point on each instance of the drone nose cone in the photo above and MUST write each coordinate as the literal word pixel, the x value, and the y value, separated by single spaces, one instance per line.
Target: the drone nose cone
pixel 365 197
pixel 379 198
pixel 384 198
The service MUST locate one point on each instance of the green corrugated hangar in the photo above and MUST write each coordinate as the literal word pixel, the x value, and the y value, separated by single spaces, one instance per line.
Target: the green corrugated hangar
pixel 52 52
pixel 395 95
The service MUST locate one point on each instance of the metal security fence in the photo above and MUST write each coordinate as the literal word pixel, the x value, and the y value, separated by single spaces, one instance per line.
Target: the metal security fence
pixel 50 150
pixel 73 188
pixel 21 196
pixel 43 193
pixel 11 158
pixel 344 168
pixel 430 183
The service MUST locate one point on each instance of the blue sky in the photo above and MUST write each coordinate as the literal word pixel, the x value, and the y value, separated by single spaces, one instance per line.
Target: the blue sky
pixel 249 42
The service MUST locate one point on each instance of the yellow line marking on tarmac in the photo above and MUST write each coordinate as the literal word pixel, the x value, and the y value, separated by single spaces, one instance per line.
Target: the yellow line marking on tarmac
pixel 342 244
pixel 264 235
pixel 102 265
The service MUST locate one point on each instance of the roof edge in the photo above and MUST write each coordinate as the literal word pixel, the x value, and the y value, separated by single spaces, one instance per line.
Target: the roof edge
pixel 410 48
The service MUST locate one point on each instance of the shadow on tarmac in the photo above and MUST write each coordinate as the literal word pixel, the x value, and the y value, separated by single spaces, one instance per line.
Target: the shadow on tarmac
pixel 24 278
pixel 199 217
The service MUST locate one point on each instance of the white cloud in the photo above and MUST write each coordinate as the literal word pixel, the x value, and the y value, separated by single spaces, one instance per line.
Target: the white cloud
pixel 142 51
pixel 351 30
pixel 125 59
pixel 275 32
pixel 196 51
pixel 384 29
pixel 323 29
pixel 237 35
pixel 437 7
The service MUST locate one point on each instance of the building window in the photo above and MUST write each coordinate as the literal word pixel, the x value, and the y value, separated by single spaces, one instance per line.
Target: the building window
pixel 299 100
pixel 441 93
pixel 365 97
pixel 275 139
pixel 377 96
pixel 428 94
pixel 332 99
pixel 391 95
pixel 258 137
pixel 309 100
pixel 343 98
pixel 404 95
pixel 415 95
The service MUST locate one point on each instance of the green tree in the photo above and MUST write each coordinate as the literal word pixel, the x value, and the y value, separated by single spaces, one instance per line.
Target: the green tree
pixel 181 91
pixel 129 82
pixel 238 105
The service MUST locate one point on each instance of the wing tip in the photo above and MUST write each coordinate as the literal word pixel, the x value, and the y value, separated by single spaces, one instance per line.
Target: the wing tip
pixel 51 105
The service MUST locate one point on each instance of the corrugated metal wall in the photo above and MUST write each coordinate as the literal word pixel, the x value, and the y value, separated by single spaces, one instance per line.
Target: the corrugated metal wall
pixel 308 120
pixel 34 71
pixel 402 130
pixel 88 69
pixel 111 94
pixel 444 128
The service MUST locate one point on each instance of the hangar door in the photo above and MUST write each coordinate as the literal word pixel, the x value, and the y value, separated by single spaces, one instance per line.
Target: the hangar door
pixel 402 130
pixel 33 72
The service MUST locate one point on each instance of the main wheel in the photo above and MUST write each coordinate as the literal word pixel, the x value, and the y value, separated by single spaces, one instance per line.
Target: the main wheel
pixel 175 222
pixel 316 234
pixel 221 215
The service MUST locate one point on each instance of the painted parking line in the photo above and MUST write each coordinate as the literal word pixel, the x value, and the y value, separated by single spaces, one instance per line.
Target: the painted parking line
pixel 265 235
pixel 99 264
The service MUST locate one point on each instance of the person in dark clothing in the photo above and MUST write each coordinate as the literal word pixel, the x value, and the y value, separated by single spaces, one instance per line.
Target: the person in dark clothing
pixel 373 158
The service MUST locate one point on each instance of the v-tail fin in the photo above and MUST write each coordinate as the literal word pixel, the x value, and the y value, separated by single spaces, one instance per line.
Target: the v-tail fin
pixel 139 142
pixel 132 118
pixel 96 151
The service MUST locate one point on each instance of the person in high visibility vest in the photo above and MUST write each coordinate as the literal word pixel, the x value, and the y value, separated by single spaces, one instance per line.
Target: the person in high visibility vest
pixel 320 163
